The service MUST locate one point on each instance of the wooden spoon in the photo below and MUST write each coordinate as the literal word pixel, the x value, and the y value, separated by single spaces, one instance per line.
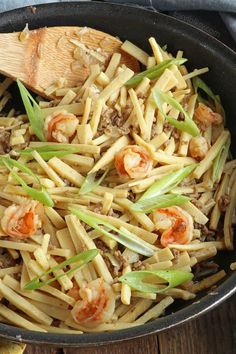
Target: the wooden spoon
pixel 47 54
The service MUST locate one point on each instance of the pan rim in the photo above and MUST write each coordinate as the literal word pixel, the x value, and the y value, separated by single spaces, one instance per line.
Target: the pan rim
pixel 206 303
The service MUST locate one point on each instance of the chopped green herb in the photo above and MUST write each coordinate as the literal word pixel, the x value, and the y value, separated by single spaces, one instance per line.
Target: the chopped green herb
pixel 187 125
pixel 136 280
pixel 164 47
pixel 219 162
pixel 200 84
pixel 155 71
pixel 41 196
pixel 128 240
pixel 90 183
pixel 167 183
pixel 80 260
pixel 33 111
pixel 20 166
pixel 161 201
pixel 49 151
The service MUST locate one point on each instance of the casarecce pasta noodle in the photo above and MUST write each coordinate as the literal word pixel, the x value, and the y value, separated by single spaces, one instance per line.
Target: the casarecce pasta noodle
pixel 115 196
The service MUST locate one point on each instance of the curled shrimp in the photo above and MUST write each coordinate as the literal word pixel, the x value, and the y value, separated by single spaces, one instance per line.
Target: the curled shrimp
pixel 60 126
pixel 205 116
pixel 175 225
pixel 133 161
pixel 22 221
pixel 198 147
pixel 97 304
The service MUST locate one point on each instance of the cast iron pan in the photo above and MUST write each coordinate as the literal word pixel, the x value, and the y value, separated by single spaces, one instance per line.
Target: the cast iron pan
pixel 137 25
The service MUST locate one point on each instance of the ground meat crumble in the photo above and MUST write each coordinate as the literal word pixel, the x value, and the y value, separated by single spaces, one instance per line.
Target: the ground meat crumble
pixel 224 202
pixel 4 142
pixel 206 234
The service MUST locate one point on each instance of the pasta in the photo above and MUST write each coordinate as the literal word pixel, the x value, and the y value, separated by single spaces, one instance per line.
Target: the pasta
pixel 107 190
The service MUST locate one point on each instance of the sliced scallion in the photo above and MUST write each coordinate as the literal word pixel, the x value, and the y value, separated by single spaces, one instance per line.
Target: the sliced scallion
pixel 33 111
pixel 49 151
pixel 167 183
pixel 90 183
pixel 80 260
pixel 161 201
pixel 41 196
pixel 219 162
pixel 128 240
pixel 187 125
pixel 155 71
pixel 200 84
pixel 173 278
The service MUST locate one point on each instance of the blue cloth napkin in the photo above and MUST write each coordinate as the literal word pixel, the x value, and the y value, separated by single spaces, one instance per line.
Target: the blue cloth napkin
pixel 189 11
pixel 217 17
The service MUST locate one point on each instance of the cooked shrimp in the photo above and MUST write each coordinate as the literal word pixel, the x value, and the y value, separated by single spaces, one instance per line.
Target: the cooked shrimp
pixel 198 147
pixel 97 304
pixel 60 126
pixel 22 221
pixel 74 292
pixel 175 225
pixel 133 161
pixel 205 116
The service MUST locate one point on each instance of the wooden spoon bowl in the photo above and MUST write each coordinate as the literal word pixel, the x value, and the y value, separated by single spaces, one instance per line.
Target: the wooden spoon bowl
pixel 40 57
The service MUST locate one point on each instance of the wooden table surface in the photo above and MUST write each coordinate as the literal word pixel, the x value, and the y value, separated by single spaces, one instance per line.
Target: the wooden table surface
pixel 212 333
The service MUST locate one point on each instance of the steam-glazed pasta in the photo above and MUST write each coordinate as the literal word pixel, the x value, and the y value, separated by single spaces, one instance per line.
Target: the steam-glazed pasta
pixel 114 196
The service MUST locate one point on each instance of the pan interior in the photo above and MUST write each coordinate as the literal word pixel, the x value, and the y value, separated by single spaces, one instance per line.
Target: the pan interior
pixel 138 25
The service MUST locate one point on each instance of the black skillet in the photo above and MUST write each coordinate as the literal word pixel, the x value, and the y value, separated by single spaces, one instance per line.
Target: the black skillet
pixel 137 25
